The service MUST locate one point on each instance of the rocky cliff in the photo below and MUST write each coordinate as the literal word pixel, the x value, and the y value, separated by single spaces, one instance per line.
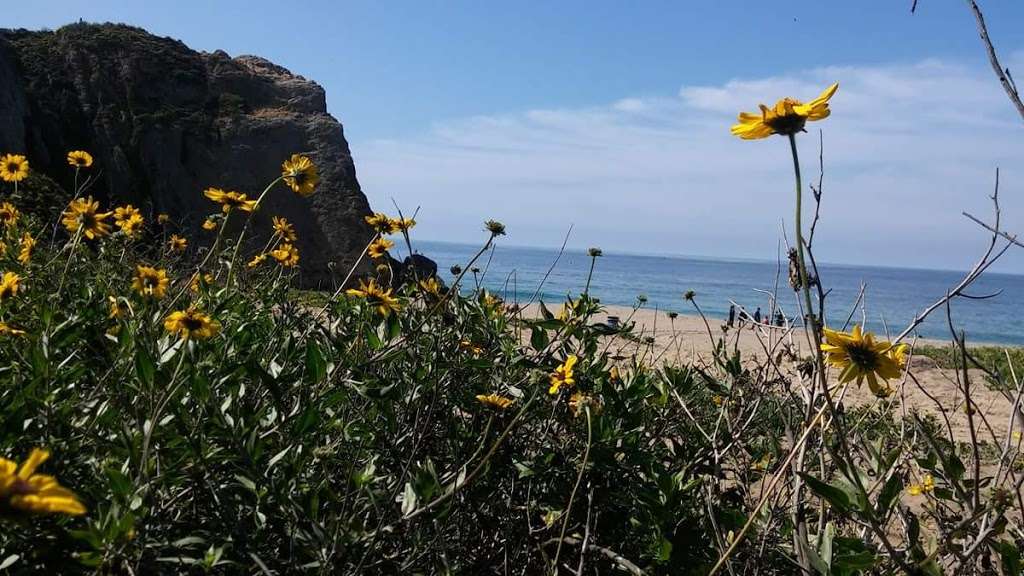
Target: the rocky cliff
pixel 165 122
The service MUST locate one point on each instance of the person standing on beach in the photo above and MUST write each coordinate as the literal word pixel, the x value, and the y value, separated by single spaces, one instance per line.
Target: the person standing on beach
pixel 757 315
pixel 732 315
pixel 779 319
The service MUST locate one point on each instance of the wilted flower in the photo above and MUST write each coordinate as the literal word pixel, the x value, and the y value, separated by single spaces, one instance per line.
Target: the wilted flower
pixel 431 286
pixel 8 330
pixel 595 252
pixel 256 260
pixel 455 269
pixel 209 224
pixel 495 228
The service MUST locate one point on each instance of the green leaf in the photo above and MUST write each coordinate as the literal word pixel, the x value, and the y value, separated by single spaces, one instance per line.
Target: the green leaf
pixel 831 494
pixel 145 367
pixel 316 366
pixel 539 338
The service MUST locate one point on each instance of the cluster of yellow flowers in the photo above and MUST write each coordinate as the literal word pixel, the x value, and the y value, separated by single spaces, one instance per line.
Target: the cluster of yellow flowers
pixel 383 225
pixel 376 296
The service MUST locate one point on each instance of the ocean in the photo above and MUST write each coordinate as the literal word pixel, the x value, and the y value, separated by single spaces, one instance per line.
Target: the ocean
pixel 893 296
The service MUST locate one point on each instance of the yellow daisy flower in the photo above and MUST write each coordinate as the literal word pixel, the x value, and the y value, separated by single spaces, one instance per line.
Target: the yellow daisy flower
pixel 579 401
pixel 27 243
pixel 230 200
pixel 128 219
pixel 376 296
pixel 286 254
pixel 927 485
pixel 9 330
pixel 13 168
pixel 860 357
pixel 495 401
pixel 117 307
pixel 21 489
pixel 379 248
pixel 256 260
pixel 149 281
pixel 84 214
pixel 79 159
pixel 563 375
pixel 191 323
pixel 177 243
pixel 299 173
pixel 209 224
pixel 382 223
pixel 787 117
pixel 284 229
pixel 9 214
pixel 197 283
pixel 431 286
pixel 10 283
pixel 402 224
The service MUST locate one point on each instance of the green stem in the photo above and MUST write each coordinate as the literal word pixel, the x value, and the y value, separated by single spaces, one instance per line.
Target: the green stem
pixel 804 284
pixel 245 227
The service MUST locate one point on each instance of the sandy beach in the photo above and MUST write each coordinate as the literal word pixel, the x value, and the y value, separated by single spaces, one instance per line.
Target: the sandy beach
pixel 688 338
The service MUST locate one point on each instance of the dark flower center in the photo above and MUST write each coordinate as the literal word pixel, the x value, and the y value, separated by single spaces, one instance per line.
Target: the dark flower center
pixel 13 167
pixel 863 357
pixel 192 323
pixel 789 124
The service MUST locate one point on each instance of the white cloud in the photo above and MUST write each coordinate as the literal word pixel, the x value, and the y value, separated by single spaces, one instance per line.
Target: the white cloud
pixel 908 147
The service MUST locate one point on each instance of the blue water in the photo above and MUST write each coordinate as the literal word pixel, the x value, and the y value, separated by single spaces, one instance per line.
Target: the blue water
pixel 893 296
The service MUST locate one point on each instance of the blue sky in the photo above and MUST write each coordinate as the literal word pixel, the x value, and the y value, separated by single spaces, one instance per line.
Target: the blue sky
pixel 615 118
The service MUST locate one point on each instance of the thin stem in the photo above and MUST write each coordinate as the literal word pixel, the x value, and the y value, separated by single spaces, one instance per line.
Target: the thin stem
pixel 572 496
pixel 586 290
pixel 245 227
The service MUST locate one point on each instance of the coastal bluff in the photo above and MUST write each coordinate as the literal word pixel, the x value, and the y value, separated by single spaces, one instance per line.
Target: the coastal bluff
pixel 164 122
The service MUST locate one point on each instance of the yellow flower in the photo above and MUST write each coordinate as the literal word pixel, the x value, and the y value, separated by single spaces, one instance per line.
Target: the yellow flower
pixel 471 348
pixel 80 159
pixel 177 243
pixel 579 401
pixel 927 485
pixel 495 401
pixel 10 330
pixel 8 214
pixel 382 223
pixel 10 283
pixel 196 283
pixel 230 200
pixel 379 247
pixel 431 286
pixel 286 255
pixel 128 219
pixel 149 281
pixel 209 224
pixel 563 375
pixel 787 117
pixel 27 243
pixel 162 218
pixel 117 307
pixel 299 173
pixel 376 296
pixel 191 323
pixel 83 214
pixel 13 168
pixel 859 357
pixel 256 260
pixel 23 490
pixel 284 229
pixel 402 224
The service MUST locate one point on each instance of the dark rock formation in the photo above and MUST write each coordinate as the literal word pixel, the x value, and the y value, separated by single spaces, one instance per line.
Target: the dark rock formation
pixel 165 122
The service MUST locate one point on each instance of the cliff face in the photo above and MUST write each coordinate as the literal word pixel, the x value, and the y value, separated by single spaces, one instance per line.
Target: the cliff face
pixel 164 122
